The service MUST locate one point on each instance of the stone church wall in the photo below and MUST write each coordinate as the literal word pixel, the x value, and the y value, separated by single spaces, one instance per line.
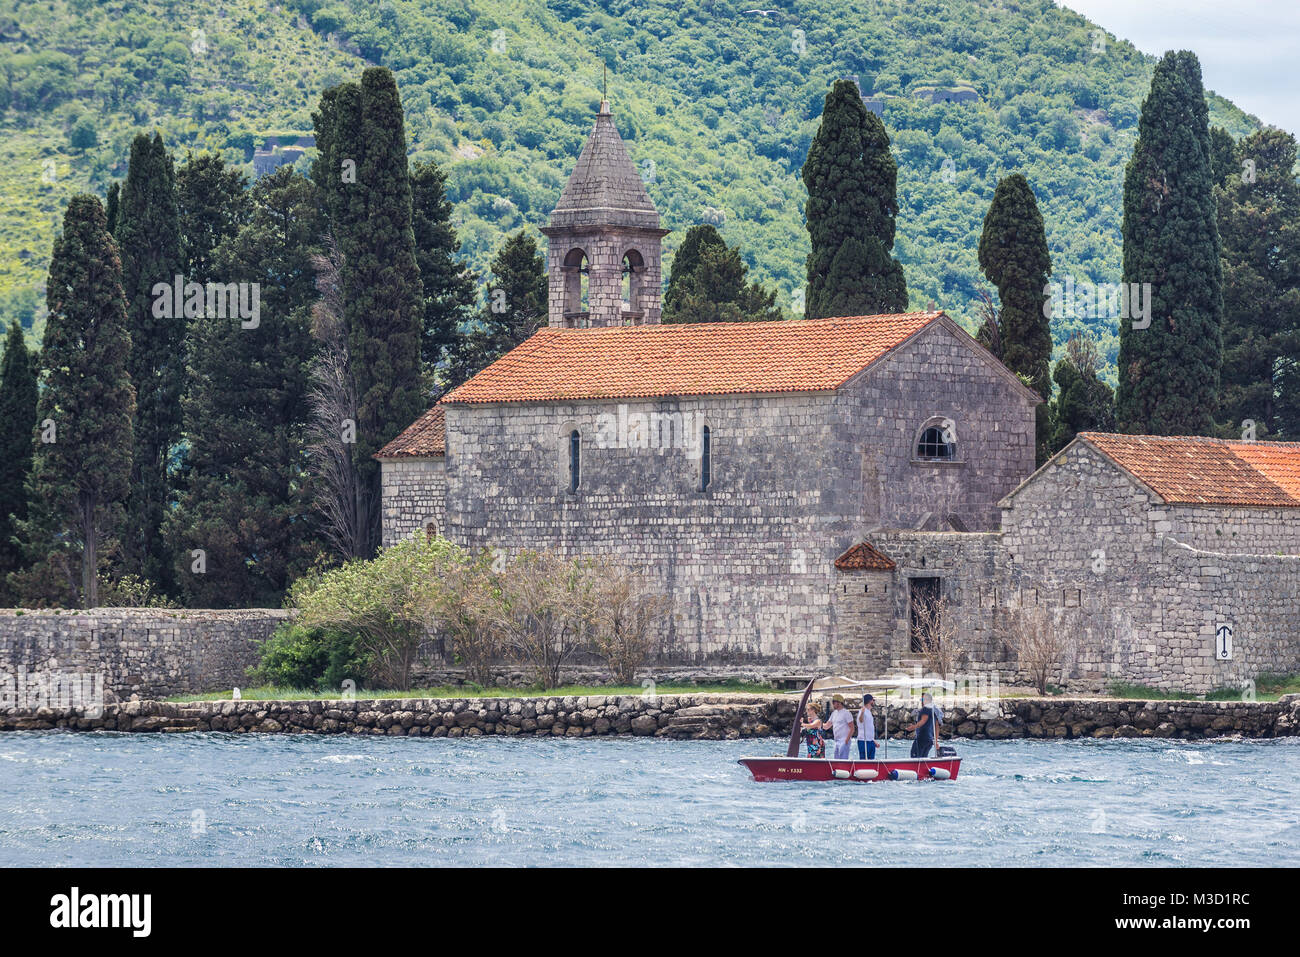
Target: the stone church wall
pixel 933 378
pixel 1084 536
pixel 746 561
pixel 414 494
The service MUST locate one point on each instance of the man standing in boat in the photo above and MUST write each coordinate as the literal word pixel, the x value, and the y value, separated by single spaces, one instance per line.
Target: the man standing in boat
pixel 866 730
pixel 927 724
pixel 842 724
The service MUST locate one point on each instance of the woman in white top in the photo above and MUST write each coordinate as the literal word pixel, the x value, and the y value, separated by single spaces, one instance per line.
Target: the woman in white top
pixel 866 730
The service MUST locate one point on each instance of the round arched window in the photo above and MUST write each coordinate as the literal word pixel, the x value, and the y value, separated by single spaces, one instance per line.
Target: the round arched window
pixel 936 443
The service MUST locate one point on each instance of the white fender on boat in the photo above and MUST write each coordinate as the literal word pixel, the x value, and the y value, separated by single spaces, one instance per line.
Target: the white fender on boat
pixel 897 775
pixel 866 774
pixel 840 772
pixel 940 774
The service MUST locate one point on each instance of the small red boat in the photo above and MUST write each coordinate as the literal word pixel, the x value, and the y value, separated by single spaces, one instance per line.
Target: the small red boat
pixel 828 769
pixel 944 766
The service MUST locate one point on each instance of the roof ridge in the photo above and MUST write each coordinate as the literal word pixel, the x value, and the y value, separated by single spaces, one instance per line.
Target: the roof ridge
pixel 1210 439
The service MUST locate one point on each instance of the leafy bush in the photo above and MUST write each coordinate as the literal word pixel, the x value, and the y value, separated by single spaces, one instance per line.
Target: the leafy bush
pixel 389 604
pixel 296 656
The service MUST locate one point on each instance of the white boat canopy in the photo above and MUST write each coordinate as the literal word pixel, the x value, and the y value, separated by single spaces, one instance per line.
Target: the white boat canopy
pixel 829 683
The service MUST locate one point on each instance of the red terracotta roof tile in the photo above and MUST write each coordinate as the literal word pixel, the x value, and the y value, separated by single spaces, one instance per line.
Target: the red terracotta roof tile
pixel 864 557
pixel 1190 470
pixel 424 437
pixel 799 355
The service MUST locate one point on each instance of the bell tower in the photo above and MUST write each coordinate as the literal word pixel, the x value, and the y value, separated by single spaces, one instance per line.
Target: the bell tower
pixel 604 238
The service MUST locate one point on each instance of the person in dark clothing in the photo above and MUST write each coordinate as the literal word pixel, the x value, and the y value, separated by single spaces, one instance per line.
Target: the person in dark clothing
pixel 927 722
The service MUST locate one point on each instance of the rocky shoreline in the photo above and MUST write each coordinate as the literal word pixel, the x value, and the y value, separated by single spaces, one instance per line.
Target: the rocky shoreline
pixel 677 716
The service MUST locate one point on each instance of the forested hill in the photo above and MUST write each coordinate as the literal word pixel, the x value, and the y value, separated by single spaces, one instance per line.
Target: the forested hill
pixel 718 102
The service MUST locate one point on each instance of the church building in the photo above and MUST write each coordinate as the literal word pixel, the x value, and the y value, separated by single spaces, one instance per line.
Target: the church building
pixel 797 488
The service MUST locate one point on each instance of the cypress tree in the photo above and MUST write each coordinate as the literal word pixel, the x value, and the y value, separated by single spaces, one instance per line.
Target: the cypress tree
pixel 449 291
pixel 514 310
pixel 1223 155
pixel 851 178
pixel 685 261
pixel 1259 227
pixel 717 291
pixel 148 234
pixel 114 196
pixel 211 203
pixel 246 408
pixel 365 180
pixel 17 427
pixel 81 466
pixel 1014 257
pixel 1169 371
pixel 1083 403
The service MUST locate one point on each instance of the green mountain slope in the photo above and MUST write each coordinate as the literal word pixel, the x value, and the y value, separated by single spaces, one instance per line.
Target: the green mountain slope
pixel 717 101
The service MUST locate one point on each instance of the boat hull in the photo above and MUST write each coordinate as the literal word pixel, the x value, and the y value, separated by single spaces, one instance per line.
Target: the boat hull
pixel 830 769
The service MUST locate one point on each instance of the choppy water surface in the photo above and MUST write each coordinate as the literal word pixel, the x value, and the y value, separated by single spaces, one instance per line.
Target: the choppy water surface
pixel 217 799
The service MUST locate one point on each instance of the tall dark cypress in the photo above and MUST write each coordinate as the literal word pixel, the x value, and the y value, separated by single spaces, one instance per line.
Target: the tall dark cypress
pixel 851 178
pixel 1259 225
pixel 114 197
pixel 246 408
pixel 1169 370
pixel 211 203
pixel 366 182
pixel 81 467
pixel 1014 257
pixel 449 287
pixel 17 428
pixel 148 234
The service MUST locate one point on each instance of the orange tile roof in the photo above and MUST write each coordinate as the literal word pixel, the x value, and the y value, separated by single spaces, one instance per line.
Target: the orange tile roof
pixel 1190 470
pixel 424 437
pixel 864 557
pixel 798 355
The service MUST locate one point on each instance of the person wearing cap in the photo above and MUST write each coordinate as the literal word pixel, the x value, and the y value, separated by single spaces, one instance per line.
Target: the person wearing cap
pixel 927 723
pixel 841 723
pixel 866 730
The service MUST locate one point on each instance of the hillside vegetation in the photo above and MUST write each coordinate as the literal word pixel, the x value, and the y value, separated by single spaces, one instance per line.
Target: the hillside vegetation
pixel 718 104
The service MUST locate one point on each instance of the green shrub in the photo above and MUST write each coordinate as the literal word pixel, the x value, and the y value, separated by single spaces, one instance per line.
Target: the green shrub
pixel 296 656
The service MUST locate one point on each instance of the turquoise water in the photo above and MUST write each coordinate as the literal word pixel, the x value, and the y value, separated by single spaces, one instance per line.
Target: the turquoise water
pixel 218 799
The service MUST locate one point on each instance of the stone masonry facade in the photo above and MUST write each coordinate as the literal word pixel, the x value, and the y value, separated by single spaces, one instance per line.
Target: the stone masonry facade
pixel 794 480
pixel 800 475
pixel 1141 586
pixel 414 497
pixel 152 652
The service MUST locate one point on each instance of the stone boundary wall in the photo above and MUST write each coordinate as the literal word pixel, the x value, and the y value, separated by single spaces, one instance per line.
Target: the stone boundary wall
pixel 150 652
pixel 698 717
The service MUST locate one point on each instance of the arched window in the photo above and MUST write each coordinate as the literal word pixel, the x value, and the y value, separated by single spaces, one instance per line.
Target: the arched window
pixel 706 458
pixel 633 278
pixel 576 274
pixel 937 443
pixel 575 460
pixel 430 530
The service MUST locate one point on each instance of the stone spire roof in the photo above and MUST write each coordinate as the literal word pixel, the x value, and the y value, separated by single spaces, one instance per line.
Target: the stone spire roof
pixel 605 189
